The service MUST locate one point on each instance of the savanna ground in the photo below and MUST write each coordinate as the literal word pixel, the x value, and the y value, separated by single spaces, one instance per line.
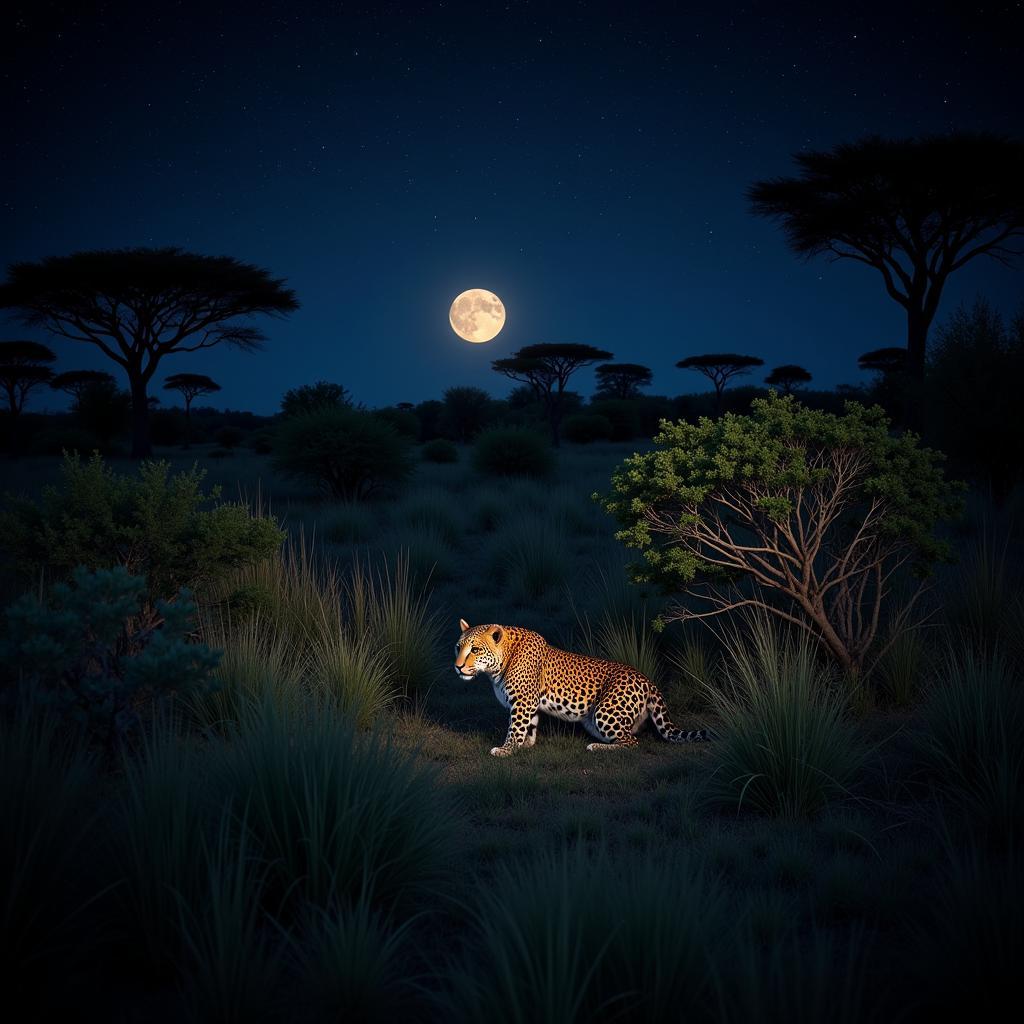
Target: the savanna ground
pixel 870 871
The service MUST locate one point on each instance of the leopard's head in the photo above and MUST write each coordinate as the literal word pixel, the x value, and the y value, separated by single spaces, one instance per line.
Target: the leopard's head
pixel 479 650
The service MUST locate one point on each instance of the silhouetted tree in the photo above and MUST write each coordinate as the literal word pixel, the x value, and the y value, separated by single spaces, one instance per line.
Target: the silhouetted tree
pixel 139 305
pixel 914 209
pixel 884 360
pixel 74 382
pixel 788 378
pixel 622 380
pixel 466 412
pixel 720 368
pixel 22 369
pixel 104 410
pixel 191 386
pixel 547 369
pixel 892 387
pixel 975 373
pixel 311 397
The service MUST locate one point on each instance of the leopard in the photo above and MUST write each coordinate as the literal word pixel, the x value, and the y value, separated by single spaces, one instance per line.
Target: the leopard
pixel 611 700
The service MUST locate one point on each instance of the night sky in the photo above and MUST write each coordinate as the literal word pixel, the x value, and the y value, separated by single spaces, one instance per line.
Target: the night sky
pixel 586 162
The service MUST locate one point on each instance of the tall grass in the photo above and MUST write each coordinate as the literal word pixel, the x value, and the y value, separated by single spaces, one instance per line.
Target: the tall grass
pixel 352 964
pixel 161 823
pixel 530 556
pixel 903 669
pixel 47 790
pixel 230 972
pixel 786 748
pixel 577 936
pixel 336 813
pixel 984 586
pixel 971 743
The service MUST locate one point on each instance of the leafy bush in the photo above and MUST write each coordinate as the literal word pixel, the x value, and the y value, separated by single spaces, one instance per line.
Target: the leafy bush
pixel 313 397
pixel 439 450
pixel 622 416
pixel 347 453
pixel 153 525
pixel 786 747
pixel 586 427
pixel 90 650
pixel 467 411
pixel 513 452
pixel 403 421
pixel 229 437
pixel 808 507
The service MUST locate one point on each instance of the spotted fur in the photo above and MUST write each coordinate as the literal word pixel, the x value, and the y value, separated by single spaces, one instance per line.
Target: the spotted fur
pixel 529 676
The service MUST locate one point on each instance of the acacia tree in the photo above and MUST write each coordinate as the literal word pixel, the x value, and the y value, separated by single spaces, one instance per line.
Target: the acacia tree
pixel 22 369
pixel 139 305
pixel 191 386
pixel 788 377
pixel 884 360
pixel 547 369
pixel 807 515
pixel 720 368
pixel 324 394
pixel 622 380
pixel 76 382
pixel 916 210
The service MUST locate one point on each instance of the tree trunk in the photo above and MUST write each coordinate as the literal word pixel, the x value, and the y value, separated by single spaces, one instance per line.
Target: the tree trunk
pixel 917 340
pixel 188 422
pixel 141 446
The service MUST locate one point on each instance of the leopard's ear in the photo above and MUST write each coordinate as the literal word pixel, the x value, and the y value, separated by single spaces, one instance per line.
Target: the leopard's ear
pixel 464 625
pixel 496 634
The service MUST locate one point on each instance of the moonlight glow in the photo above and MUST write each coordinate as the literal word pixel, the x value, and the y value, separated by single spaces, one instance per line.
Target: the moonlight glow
pixel 477 315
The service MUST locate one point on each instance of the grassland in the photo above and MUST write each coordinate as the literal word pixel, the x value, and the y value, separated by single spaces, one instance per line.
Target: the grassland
pixel 278 855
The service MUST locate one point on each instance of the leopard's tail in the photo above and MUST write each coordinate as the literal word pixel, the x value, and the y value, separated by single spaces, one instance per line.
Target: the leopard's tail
pixel 666 730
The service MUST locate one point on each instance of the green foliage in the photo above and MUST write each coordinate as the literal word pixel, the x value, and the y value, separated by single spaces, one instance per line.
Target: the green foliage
pixel 346 453
pixel 153 525
pixel 402 421
pixel 467 411
pixel 768 497
pixel 439 450
pixel 583 428
pixel 313 397
pixel 513 452
pixel 90 651
pixel 622 414
pixel 786 748
pixel 47 786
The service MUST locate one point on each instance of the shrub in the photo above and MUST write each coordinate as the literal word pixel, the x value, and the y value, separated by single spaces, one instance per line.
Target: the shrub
pixel 104 410
pixel 513 452
pixel 262 441
pixel 153 525
pixel 313 397
pixel 786 747
pixel 167 426
pixel 403 421
pixel 766 501
pixel 622 416
pixel 467 412
pixel 229 437
pixel 439 450
pixel 57 440
pixel 584 428
pixel 347 453
pixel 89 651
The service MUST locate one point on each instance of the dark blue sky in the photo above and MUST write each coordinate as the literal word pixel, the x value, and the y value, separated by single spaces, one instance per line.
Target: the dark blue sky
pixel 587 162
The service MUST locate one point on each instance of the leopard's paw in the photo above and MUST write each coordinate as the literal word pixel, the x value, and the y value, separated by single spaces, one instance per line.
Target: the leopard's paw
pixel 500 751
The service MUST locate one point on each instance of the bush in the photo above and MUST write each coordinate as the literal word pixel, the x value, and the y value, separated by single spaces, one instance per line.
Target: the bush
pixel 262 441
pixel 513 452
pixel 347 453
pixel 467 411
pixel 403 421
pixel 92 648
pixel 229 437
pixel 167 427
pixel 786 747
pixel 309 398
pixel 622 416
pixel 57 440
pixel 439 450
pixel 152 524
pixel 104 411
pixel 586 427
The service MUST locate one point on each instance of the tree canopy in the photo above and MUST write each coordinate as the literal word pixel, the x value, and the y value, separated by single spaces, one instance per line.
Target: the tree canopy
pixel 23 367
pixel 76 382
pixel 139 305
pixel 788 377
pixel 720 368
pixel 622 380
pixel 191 386
pixel 546 368
pixel 323 394
pixel 884 360
pixel 805 514
pixel 916 210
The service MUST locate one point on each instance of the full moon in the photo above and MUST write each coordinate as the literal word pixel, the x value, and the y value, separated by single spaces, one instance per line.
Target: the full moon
pixel 477 315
